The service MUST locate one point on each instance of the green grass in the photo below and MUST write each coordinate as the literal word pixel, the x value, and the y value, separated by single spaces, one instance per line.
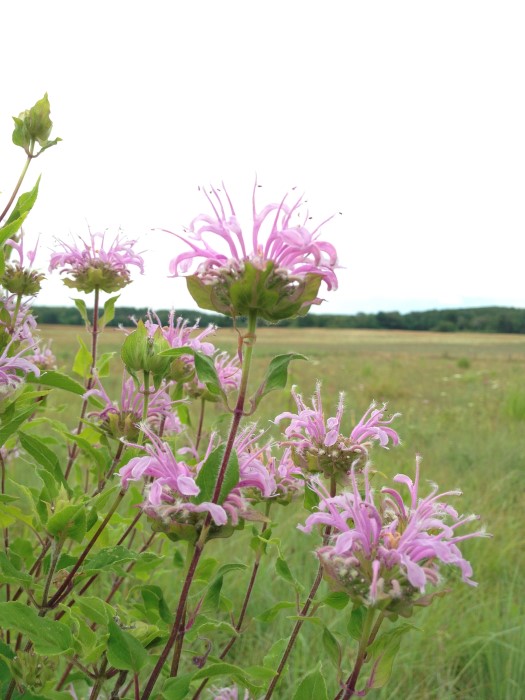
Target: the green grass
pixel 462 399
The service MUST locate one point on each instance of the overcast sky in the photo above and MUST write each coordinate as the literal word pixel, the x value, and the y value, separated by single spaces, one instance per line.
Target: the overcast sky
pixel 408 117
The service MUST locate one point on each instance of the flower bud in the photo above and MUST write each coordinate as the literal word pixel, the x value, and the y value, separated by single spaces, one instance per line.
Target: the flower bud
pixel 140 352
pixel 34 125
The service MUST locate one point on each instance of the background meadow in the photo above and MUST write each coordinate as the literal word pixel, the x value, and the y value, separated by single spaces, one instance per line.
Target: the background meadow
pixel 462 399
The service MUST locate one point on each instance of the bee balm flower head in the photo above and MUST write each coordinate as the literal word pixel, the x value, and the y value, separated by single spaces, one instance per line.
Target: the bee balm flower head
pixel 276 275
pixel 97 265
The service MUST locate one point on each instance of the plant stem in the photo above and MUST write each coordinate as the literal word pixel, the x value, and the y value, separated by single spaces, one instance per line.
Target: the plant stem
pixel 364 642
pixel 242 614
pixel 94 336
pixel 56 547
pixel 304 611
pixel 18 185
pixel 201 422
pixel 249 340
pixel 118 454
pixel 64 588
pixel 101 677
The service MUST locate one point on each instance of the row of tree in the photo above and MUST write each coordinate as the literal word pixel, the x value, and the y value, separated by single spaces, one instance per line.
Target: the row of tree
pixel 490 319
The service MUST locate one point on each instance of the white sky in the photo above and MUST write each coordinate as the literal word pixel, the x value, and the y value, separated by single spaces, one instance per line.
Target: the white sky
pixel 409 117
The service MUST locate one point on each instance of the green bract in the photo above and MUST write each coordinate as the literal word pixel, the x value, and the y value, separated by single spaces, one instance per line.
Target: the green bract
pixel 140 352
pixel 34 125
pixel 272 294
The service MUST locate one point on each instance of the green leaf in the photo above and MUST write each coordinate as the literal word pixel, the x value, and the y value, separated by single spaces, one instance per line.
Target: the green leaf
pixel 207 478
pixel 109 558
pixel 277 374
pixel 383 652
pixel 58 380
pixel 70 522
pixel 45 457
pixel 355 622
pixel 83 360
pixel 153 598
pixel 82 310
pixel 10 574
pixel 19 213
pixel 212 598
pixel 177 688
pixel 332 648
pixel 337 600
pixel 271 613
pixel 103 364
pixel 207 373
pixel 230 670
pixel 311 498
pixel 283 570
pixel 49 637
pixel 275 653
pixel 312 687
pixel 12 426
pixel 95 609
pixel 124 651
pixel 109 312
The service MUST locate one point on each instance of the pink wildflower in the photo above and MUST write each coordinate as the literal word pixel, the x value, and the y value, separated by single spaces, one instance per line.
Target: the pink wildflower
pixel 383 549
pixel 180 334
pixel 14 367
pixel 121 419
pixel 317 440
pixel 96 265
pixel 279 277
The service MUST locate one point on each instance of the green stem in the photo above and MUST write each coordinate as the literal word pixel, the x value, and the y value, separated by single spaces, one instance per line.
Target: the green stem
pixel 201 422
pixel 17 187
pixel 56 549
pixel 145 405
pixel 94 337
pixel 247 340
pixel 364 642
pixel 240 620
pixel 304 611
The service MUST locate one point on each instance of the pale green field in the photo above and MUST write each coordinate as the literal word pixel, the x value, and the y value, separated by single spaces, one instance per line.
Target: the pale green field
pixel 462 399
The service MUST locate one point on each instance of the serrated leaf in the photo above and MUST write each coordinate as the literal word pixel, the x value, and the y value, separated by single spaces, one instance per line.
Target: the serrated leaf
pixel 103 364
pixel 49 637
pixel 207 477
pixel 124 651
pixel 312 687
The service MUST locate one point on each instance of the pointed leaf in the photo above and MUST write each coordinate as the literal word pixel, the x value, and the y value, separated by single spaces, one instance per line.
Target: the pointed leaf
pixel 49 637
pixel 312 687
pixel 109 312
pixel 207 478
pixel 124 651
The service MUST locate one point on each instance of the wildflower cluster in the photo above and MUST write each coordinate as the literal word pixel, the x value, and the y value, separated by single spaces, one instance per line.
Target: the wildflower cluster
pixel 176 457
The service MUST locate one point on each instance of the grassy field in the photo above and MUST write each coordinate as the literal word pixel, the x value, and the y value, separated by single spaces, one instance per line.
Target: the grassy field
pixel 462 399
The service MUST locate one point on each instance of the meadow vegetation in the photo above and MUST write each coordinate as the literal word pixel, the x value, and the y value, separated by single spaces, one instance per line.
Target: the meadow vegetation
pixel 462 399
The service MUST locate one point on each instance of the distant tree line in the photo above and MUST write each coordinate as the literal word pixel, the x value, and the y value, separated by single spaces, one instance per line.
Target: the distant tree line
pixel 490 319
